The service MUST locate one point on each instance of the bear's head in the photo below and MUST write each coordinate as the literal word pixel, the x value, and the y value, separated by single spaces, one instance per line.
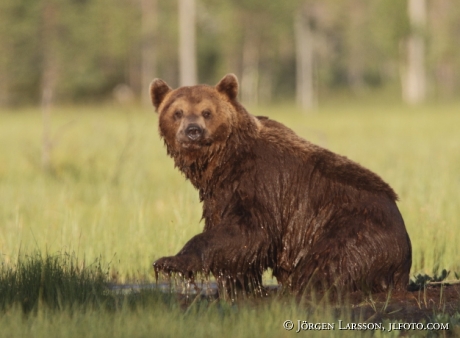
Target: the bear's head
pixel 195 118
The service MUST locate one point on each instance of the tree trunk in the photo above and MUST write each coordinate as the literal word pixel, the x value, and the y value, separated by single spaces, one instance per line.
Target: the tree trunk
pixel 356 44
pixel 265 86
pixel 187 43
pixel 442 22
pixel 304 39
pixel 49 77
pixel 148 55
pixel 250 74
pixel 414 86
pixel 7 38
pixel 3 83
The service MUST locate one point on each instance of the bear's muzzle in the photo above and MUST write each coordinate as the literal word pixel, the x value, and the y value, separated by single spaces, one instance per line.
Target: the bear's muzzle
pixel 194 131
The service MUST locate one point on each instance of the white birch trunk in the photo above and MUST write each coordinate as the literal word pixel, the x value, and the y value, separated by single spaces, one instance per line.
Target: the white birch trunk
pixel 414 82
pixel 187 43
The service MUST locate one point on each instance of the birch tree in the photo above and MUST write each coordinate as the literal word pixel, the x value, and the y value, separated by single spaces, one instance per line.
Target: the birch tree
pixel 304 41
pixel 187 43
pixel 414 85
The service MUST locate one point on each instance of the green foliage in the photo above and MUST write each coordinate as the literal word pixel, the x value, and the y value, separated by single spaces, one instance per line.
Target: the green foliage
pixel 422 280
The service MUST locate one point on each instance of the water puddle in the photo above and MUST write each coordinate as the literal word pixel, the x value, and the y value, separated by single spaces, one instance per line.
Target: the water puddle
pixel 207 288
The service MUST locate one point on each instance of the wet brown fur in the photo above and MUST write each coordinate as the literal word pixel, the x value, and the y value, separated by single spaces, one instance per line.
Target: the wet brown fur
pixel 274 200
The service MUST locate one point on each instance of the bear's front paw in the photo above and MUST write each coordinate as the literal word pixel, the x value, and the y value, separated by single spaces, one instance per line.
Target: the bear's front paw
pixel 184 265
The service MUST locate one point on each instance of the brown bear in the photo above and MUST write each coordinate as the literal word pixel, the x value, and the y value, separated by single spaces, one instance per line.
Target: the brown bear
pixel 274 200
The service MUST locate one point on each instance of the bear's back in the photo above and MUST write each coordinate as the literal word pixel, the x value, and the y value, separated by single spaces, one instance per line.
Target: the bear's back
pixel 281 146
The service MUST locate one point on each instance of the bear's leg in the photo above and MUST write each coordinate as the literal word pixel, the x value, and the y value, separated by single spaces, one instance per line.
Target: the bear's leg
pixel 375 263
pixel 235 256
pixel 230 285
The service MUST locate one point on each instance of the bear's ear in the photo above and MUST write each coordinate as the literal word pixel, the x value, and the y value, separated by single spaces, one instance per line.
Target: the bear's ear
pixel 228 86
pixel 158 91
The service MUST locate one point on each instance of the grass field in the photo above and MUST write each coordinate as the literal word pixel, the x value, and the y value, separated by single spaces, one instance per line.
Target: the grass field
pixel 114 195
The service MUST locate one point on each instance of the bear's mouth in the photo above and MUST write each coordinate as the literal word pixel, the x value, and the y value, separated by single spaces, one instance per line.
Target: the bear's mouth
pixel 190 145
pixel 195 145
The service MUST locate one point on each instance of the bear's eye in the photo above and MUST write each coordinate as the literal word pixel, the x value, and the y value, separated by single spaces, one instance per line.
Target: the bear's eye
pixel 206 114
pixel 178 114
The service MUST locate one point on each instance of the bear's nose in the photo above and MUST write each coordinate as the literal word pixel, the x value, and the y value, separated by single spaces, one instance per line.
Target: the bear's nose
pixel 193 131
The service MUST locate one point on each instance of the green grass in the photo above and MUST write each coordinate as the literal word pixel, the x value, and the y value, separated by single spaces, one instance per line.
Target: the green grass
pixel 115 197
pixel 54 282
pixel 221 320
pixel 114 193
pixel 60 296
pixel 129 211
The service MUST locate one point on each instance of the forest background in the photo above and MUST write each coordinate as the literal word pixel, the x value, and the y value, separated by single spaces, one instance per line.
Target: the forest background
pixel 90 50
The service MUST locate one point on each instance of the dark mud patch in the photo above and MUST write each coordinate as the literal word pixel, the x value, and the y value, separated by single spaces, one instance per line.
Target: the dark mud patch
pixel 409 306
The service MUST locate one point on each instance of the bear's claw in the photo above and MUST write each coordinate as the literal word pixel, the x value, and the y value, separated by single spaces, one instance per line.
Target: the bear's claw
pixel 174 264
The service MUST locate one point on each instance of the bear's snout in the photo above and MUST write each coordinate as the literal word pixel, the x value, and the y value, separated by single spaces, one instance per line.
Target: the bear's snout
pixel 193 131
